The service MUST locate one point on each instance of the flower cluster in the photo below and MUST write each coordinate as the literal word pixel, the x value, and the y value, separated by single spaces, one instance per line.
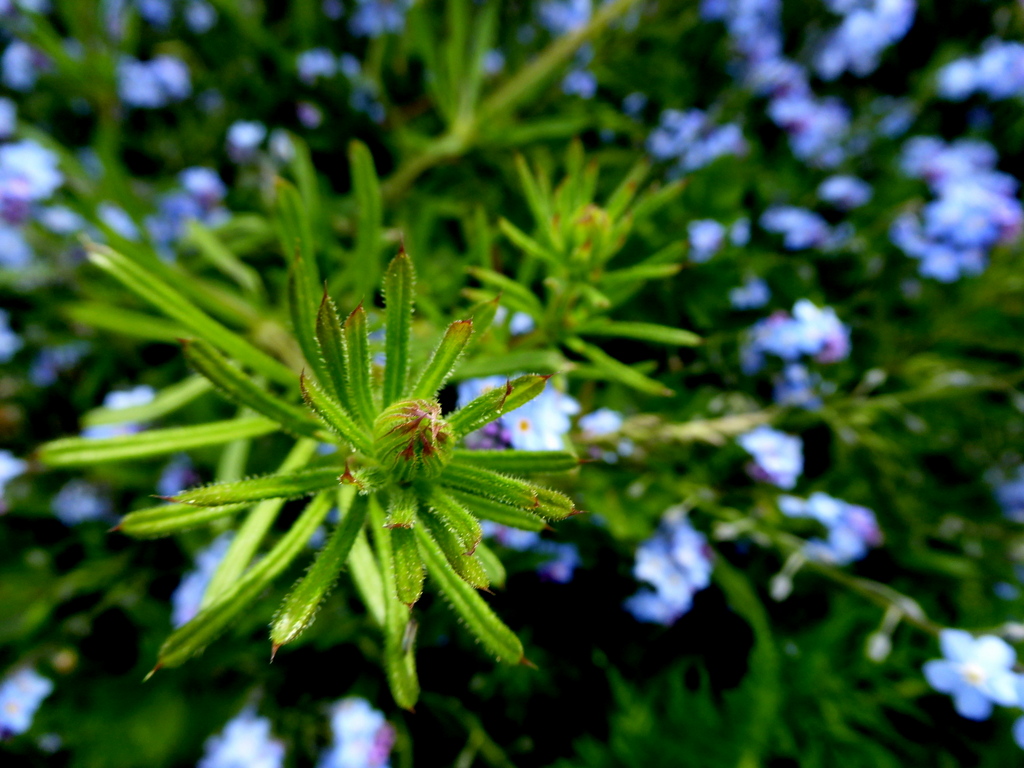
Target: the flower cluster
pixel 692 140
pixel 997 72
pixel 28 177
pixel 246 740
pixel 867 29
pixel 153 84
pixel 809 330
pixel 199 199
pixel 852 529
pixel 362 738
pixel 677 562
pixel 778 457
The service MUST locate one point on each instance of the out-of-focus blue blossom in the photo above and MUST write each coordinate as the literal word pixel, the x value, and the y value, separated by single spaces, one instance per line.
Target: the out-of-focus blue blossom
pixel 513 538
pixel 281 146
pixel 204 184
pixel 246 741
pixel 519 324
pixel 563 560
pixel 21 65
pixel 10 468
pixel 119 400
pixel 542 423
pixel 153 84
pixel 80 501
pixel 157 13
pixel 21 693
pixel 809 330
pixel 676 561
pixel 60 220
pixel 244 139
pixel 15 252
pixel 373 18
pixel 817 127
pixel 778 457
pixel 178 475
pixel 580 82
pixel 753 294
pixel 200 16
pixel 203 192
pixel 559 17
pixel 603 421
pixel 852 529
pixel 52 361
pixel 333 9
pixel 362 737
pixel 845 192
pixel 115 217
pixel 998 72
pixel 739 232
pixel 187 598
pixel 634 103
pixel 798 387
pixel 316 63
pixel 976 672
pixel 491 437
pixel 799 227
pixel 10 342
pixel 364 91
pixel 28 175
pixel 974 210
pixel 895 115
pixel 8 118
pixel 493 62
pixel 1009 493
pixel 868 28
pixel 707 237
pixel 692 140
pixel 309 115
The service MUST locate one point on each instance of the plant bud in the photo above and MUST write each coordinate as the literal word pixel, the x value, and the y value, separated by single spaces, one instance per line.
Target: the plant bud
pixel 411 440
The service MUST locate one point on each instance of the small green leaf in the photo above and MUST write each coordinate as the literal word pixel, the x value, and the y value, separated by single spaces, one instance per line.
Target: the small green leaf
pixel 618 371
pixel 554 505
pixel 527 244
pixel 520 462
pixel 482 315
pixel 627 189
pixel 465 564
pixel 507 363
pixel 366 186
pixel 499 511
pixel 399 287
pixel 492 565
pixel 295 227
pixel 482 481
pixel 302 293
pixel 82 451
pixel 357 366
pixel 300 607
pixel 165 298
pixel 510 288
pixel 366 576
pixel 400 661
pixel 491 404
pixel 335 416
pixel 408 566
pixel 238 387
pixel 167 401
pixel 659 334
pixel 443 361
pixel 166 519
pixel 291 485
pixel 402 506
pixel 221 257
pixel 467 603
pixel 457 519
pixel 218 615
pixel 105 317
pixel 331 343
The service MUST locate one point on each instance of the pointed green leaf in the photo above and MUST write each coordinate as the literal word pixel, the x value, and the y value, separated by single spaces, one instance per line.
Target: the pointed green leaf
pixel 369 224
pixel 302 305
pixel 291 485
pixel 177 307
pixel 221 257
pixel 402 506
pixel 301 606
pixel 357 366
pixel 520 462
pixel 254 529
pixel 507 363
pixel 527 244
pixel 399 287
pixel 217 616
pixel 166 519
pixel 443 361
pixel 467 565
pixel 167 401
pixel 82 451
pixel 627 189
pixel 238 387
pixel 498 511
pixel 492 565
pixel 399 660
pixel 511 290
pixel 618 371
pixel 457 519
pixel 331 343
pixel 105 317
pixel 554 505
pixel 408 566
pixel 335 416
pixel 482 481
pixel 493 403
pixel 640 273
pixel 296 230
pixel 362 565
pixel 659 334
pixel 467 603
pixel 482 315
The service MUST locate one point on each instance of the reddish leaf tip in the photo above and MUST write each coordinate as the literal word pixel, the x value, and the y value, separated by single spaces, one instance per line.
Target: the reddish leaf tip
pixel 527 663
pixel 273 651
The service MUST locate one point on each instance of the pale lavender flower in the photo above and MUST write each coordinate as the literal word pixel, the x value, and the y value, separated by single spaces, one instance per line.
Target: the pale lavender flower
pixel 976 672
pixel 851 529
pixel 21 693
pixel 799 227
pixel 244 138
pixel 707 237
pixel 845 192
pixel 753 294
pixel 246 742
pixel 778 457
pixel 362 737
pixel 79 501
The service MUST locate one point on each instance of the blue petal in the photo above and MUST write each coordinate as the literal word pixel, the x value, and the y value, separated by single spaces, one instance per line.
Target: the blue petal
pixel 994 654
pixel 957 645
pixel 1018 732
pixel 1001 687
pixel 941 675
pixel 971 703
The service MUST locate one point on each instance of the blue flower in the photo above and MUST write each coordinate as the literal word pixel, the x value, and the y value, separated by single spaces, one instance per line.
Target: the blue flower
pixel 178 475
pixel 753 294
pixel 580 82
pixel 845 192
pixel 852 529
pixel 119 400
pixel 21 65
pixel 15 252
pixel 362 737
pixel 603 421
pixel 28 175
pixel 10 342
pixel 245 741
pixel 244 138
pixel 778 457
pixel 559 17
pixel 115 217
pixel 153 84
pixel 200 16
pixel 807 331
pixel 634 103
pixel 563 560
pixel 977 673
pixel 998 72
pixel 316 63
pixel 10 468
pixel 79 501
pixel 799 227
pixel 373 18
pixel 797 387
pixel 693 140
pixel 857 45
pixel 1009 493
pixel 542 423
pixel 8 118
pixel 52 361
pixel 188 597
pixel 676 561
pixel 707 237
pixel 21 693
